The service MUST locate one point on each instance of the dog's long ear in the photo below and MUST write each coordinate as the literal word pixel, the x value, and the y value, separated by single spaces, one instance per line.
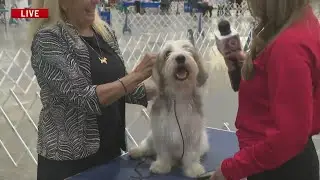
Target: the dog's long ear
pixel 156 70
pixel 202 75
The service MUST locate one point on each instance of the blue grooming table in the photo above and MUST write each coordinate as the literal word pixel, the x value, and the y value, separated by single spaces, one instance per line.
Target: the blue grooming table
pixel 223 144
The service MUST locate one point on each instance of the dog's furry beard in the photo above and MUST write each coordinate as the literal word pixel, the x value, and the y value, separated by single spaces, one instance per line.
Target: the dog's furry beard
pixel 177 110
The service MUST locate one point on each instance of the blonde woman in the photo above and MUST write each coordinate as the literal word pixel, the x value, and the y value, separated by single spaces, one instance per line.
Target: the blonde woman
pixel 84 87
pixel 279 95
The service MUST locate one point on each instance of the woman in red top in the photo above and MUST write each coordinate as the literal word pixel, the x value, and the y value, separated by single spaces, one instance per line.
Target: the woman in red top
pixel 279 95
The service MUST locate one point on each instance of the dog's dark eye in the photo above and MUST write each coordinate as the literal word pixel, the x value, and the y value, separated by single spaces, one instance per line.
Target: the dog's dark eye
pixel 167 54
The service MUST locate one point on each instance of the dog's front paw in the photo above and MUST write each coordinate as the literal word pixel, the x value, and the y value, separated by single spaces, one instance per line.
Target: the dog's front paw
pixel 159 167
pixel 194 170
pixel 136 153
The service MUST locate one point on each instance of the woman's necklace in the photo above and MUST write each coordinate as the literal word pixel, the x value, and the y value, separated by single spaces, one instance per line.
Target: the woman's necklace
pixel 102 59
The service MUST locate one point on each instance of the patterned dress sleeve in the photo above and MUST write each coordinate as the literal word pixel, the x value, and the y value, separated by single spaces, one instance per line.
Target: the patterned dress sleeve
pixel 55 68
pixel 138 96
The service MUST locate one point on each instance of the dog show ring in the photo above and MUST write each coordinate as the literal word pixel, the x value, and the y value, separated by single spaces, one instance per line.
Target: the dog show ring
pixel 223 144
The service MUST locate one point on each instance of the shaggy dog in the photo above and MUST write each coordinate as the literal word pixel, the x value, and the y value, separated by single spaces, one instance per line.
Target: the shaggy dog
pixel 177 127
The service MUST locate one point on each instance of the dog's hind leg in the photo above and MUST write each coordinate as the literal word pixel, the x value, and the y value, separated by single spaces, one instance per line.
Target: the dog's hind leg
pixel 146 148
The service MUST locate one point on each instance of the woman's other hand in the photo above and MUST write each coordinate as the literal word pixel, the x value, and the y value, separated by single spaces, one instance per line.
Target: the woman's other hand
pixel 233 59
pixel 217 175
pixel 144 68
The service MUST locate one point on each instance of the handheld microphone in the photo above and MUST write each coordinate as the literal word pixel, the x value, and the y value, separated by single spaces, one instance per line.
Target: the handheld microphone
pixel 227 39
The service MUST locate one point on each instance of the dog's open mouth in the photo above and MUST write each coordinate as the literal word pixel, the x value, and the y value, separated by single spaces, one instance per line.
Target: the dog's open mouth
pixel 181 73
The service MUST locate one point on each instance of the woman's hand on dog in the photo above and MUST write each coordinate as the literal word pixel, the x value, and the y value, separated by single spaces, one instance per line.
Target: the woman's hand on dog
pixel 144 68
pixel 234 58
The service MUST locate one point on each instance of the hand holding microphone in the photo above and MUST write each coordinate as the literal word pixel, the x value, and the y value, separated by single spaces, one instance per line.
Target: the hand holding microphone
pixel 229 45
pixel 235 59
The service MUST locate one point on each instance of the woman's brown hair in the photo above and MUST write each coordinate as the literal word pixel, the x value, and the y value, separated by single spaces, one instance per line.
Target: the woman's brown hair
pixel 273 16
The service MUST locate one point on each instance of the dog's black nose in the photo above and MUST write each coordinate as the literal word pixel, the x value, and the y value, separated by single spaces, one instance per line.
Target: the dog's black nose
pixel 180 59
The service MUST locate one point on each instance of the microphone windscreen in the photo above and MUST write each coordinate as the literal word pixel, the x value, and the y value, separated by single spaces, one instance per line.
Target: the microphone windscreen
pixel 224 27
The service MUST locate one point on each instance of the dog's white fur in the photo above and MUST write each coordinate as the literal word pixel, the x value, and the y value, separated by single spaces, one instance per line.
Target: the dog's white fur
pixel 165 139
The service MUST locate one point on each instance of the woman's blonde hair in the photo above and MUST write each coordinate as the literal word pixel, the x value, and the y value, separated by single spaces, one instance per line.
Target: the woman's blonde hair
pixel 56 14
pixel 273 16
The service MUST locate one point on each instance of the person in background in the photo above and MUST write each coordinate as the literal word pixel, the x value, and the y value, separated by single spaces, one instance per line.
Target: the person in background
pixel 2 3
pixel 2 14
pixel 223 8
pixel 279 95
pixel 207 7
pixel 220 4
pixel 137 5
pixel 84 87
pixel 165 6
pixel 239 7
pixel 193 5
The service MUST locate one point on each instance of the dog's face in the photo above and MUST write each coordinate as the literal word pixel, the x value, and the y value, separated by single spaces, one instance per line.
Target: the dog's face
pixel 179 66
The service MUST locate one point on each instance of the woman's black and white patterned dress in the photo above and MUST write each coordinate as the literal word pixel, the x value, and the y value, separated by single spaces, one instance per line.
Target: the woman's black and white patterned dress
pixel 110 119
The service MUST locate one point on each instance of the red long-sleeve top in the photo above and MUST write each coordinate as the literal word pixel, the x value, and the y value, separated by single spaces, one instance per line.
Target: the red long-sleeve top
pixel 279 109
